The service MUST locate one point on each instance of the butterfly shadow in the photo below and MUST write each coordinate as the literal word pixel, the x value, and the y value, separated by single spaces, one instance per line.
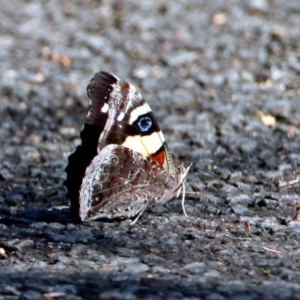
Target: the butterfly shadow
pixel 36 215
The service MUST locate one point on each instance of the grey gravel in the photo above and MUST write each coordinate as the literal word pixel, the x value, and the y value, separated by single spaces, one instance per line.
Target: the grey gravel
pixel 214 73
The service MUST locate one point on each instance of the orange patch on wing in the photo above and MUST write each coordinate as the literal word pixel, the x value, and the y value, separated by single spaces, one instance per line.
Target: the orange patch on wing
pixel 159 157
pixel 125 87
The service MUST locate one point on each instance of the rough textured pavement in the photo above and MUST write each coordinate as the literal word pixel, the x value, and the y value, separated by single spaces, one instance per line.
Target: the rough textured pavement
pixel 223 80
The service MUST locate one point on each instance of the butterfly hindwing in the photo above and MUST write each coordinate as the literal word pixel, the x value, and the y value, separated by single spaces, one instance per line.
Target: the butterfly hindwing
pixel 120 183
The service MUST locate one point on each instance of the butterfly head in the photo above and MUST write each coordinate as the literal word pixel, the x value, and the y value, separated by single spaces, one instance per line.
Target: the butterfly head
pixel 175 182
pixel 182 171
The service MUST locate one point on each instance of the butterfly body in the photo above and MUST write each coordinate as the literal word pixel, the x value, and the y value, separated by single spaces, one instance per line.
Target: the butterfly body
pixel 131 166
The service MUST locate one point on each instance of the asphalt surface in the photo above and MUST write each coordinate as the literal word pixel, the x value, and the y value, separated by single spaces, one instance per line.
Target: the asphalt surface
pixel 222 78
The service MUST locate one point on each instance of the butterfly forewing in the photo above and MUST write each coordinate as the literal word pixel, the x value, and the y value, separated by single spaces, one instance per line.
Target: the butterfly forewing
pixel 131 122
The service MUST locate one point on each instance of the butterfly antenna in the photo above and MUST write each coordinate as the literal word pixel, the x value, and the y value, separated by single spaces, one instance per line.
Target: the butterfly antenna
pixel 218 177
pixel 182 200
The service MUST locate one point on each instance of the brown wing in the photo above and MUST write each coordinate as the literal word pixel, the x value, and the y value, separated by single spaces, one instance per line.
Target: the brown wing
pixel 121 183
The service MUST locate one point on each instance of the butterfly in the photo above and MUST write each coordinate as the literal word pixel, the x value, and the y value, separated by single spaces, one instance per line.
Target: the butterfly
pixel 123 163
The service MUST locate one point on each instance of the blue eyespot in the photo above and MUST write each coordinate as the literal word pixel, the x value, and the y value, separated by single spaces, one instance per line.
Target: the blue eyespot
pixel 145 124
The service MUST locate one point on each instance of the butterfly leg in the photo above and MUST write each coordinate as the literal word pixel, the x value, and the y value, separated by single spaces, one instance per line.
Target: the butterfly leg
pixel 139 215
pixel 182 200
